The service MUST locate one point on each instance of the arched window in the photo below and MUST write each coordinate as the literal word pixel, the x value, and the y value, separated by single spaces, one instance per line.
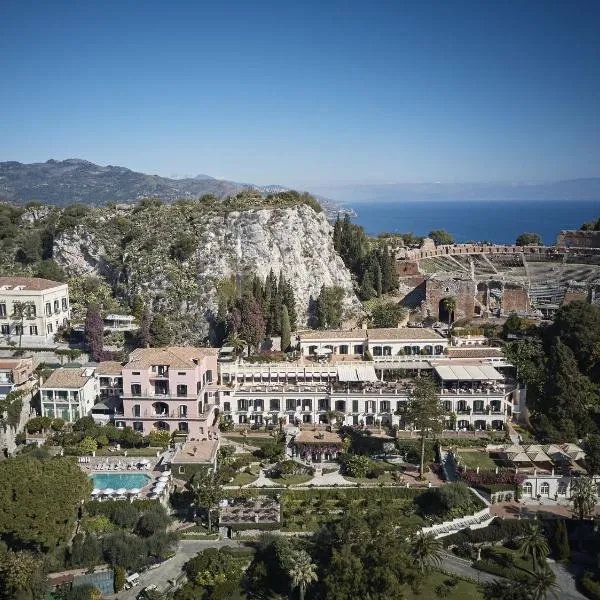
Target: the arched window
pixel 562 488
pixel 545 489
pixel 527 488
pixel 387 351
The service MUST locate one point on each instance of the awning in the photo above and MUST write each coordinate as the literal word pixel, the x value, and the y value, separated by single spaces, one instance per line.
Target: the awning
pixel 347 373
pixel 468 373
pixel 366 373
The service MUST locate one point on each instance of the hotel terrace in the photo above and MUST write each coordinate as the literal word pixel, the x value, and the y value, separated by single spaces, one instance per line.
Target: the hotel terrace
pixel 478 392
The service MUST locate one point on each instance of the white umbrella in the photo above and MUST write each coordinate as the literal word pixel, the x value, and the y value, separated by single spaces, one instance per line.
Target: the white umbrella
pixel 134 491
pixel 163 479
pixel 144 461
pixel 166 473
pixel 96 491
pixel 108 491
pixel 121 492
pixel 160 485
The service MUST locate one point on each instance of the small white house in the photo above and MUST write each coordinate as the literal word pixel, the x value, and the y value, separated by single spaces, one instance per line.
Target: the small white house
pixel 69 393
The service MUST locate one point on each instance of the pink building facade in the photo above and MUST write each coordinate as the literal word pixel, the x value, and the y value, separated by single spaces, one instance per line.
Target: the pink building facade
pixel 168 389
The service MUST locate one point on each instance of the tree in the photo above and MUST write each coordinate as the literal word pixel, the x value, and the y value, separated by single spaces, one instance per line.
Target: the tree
pixel 286 333
pixel 559 541
pixel 441 237
pixel 534 544
pixel 303 572
pixel 94 332
pixel 21 576
pixel 583 496
pixel 425 412
pixel 253 327
pixel 144 336
pixel 449 304
pixel 160 332
pixel 236 342
pixel 329 307
pixel 529 239
pixel 591 447
pixel 543 584
pixel 159 439
pixel 88 445
pixel 153 521
pixel 426 552
pixel 21 311
pixel 387 314
pixel 208 490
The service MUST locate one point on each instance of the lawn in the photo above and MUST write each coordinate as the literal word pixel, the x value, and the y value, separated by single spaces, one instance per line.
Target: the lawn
pixel 243 478
pixel 454 588
pixel 293 479
pixel 256 441
pixel 476 458
pixel 383 478
pixel 517 567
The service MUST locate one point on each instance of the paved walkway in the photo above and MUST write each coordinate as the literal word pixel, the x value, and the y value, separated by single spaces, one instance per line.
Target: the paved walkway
pixel 327 480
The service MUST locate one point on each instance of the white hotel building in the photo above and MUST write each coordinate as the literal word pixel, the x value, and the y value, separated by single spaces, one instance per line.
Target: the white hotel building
pixel 475 385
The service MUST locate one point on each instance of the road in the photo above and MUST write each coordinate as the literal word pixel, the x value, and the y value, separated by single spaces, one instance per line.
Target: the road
pixel 172 568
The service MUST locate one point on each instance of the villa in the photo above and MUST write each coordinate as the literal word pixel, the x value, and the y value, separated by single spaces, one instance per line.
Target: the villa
pixel 45 308
pixel 14 372
pixel 170 389
pixel 69 393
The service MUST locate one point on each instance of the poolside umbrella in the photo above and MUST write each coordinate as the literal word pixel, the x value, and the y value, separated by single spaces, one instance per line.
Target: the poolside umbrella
pixel 159 485
pixel 166 473
pixel 163 479
pixel 96 491
pixel 134 491
pixel 107 492
pixel 144 461
pixel 121 492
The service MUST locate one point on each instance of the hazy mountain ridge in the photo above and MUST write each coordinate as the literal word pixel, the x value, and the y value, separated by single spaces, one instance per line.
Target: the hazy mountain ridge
pixel 80 181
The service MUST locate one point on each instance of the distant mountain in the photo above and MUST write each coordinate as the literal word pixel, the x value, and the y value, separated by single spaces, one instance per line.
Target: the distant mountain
pixel 573 189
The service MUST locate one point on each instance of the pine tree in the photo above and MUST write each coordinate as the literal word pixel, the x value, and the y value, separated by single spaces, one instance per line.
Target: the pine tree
pixel 160 332
pixel 289 300
pixel 286 333
pixel 377 280
pixel 144 335
pixel 366 290
pixel 560 540
pixel 137 309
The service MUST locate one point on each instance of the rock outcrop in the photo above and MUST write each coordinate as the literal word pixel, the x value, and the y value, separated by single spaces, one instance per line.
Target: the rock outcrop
pixel 135 254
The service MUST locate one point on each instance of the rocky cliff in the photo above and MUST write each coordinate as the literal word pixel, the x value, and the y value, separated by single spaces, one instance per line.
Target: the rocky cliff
pixel 175 256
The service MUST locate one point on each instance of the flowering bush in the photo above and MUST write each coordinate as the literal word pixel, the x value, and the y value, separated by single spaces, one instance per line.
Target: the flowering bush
pixel 473 478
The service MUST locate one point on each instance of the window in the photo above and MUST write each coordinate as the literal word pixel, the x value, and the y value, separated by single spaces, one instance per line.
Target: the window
pixel 183 427
pixel 49 328
pixel 274 404
pixel 56 306
pixel 136 389
pixel 242 404
pixel 5 329
pixel 478 406
pixel 209 376
pixel 358 349
pixel 385 406
pixel 408 350
pixel 242 419
pixel 137 410
pixel 3 310
pixel 439 349
pixel 182 390
pixel 18 329
pixel 258 405
pixel 340 405
pixel 64 304
pixel 323 404
pixel 377 351
pixel 354 405
pixel 183 411
pixel 545 489
pixel 227 406
pixel 181 373
pixel 182 470
pixel 528 488
pixel 135 372
pixel 33 330
pixel 344 349
pixel 138 426
pixel 290 404
pixel 447 405
pixel 387 351
pixel 48 309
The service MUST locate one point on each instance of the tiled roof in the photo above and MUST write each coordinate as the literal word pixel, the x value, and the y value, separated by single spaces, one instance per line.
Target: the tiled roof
pixel 179 357
pixel 334 334
pixel 31 284
pixel 67 378
pixel 109 367
pixel 404 333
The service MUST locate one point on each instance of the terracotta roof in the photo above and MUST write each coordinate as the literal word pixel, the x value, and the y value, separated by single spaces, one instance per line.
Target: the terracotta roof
pixel 68 378
pixel 404 333
pixel 31 284
pixel 334 334
pixel 475 352
pixel 180 357
pixel 109 367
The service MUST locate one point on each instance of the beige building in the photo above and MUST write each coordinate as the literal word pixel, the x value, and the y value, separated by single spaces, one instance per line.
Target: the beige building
pixel 45 307
pixel 69 393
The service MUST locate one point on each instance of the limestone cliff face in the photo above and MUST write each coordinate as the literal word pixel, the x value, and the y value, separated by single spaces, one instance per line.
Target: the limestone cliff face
pixel 134 253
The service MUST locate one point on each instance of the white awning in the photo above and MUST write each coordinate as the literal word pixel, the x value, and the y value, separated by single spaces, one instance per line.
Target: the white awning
pixel 468 373
pixel 347 373
pixel 366 373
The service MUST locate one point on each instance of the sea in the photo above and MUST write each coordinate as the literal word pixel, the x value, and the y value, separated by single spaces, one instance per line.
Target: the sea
pixel 499 222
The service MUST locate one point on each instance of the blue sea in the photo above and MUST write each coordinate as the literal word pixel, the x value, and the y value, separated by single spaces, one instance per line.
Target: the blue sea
pixel 499 222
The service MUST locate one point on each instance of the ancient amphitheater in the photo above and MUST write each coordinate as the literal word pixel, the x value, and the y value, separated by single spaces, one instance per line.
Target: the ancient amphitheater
pixel 497 280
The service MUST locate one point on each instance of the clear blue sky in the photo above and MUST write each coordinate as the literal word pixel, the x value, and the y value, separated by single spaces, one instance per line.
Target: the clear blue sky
pixel 306 93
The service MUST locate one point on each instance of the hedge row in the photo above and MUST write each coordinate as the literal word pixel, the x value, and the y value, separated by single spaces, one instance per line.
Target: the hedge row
pixel 496 531
pixel 254 526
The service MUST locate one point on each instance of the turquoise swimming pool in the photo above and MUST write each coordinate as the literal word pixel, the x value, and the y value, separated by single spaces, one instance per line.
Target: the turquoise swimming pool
pixel 128 481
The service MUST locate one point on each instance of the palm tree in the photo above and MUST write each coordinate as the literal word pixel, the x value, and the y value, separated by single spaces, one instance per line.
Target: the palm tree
pixel 534 544
pixel 303 572
pixel 426 552
pixel 449 303
pixel 20 311
pixel 236 342
pixel 583 496
pixel 543 584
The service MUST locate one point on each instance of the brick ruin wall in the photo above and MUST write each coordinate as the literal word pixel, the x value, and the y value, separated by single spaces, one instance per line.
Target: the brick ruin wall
pixel 578 239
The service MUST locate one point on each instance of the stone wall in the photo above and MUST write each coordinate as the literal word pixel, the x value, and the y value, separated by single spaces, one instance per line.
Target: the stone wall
pixel 578 239
pixel 8 434
pixel 463 290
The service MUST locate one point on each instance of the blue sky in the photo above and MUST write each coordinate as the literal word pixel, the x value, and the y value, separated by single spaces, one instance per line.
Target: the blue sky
pixel 306 93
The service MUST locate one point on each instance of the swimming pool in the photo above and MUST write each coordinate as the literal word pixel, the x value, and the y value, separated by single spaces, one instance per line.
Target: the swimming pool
pixel 128 481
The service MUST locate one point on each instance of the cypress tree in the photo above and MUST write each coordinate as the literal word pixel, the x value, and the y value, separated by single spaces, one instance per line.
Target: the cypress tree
pixel 377 280
pixel 560 541
pixel 289 300
pixel 286 333
pixel 160 332
pixel 94 332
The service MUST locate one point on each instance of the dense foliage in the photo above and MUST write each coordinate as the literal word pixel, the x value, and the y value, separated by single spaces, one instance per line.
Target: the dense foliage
pixel 372 264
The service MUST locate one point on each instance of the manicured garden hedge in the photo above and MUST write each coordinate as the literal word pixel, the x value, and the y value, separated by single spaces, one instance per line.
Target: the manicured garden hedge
pixel 497 530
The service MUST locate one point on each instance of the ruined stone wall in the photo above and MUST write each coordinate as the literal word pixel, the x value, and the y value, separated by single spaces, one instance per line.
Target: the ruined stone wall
pixel 463 290
pixel 578 239
pixel 575 296
pixel 515 298
pixel 406 268
pixel 8 434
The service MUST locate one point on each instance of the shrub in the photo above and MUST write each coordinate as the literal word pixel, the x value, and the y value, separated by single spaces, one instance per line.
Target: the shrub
pixel 159 439
pixel 591 586
pixel 119 578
